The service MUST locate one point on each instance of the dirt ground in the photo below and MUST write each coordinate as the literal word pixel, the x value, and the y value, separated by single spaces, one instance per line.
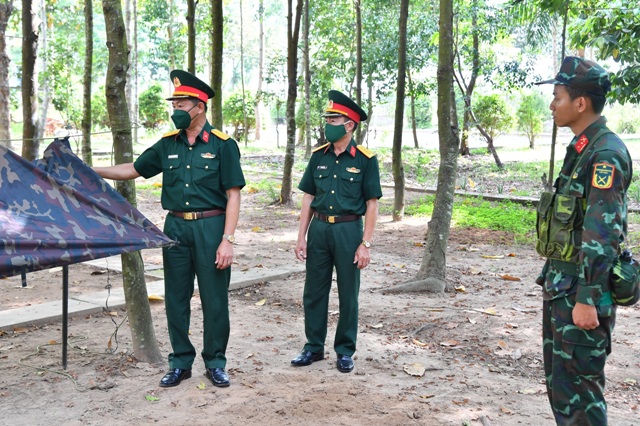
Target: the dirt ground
pixel 480 347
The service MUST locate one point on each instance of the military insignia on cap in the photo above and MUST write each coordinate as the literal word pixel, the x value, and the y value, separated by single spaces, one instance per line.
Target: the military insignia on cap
pixel 353 170
pixel 207 155
pixel 330 105
pixel 582 142
pixel 603 174
pixel 176 82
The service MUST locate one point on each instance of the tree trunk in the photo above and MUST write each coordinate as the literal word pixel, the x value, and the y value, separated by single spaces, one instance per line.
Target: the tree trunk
pixel 293 34
pixel 217 20
pixel 41 121
pixel 191 36
pixel 431 276
pixel 87 155
pixel 307 82
pixel 413 110
pixel 244 100
pixel 475 69
pixel 358 8
pixel 145 345
pixel 30 145
pixel 260 71
pixel 6 9
pixel 398 167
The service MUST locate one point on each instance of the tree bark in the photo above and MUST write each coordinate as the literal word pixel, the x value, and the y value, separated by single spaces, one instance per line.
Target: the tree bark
pixel 307 82
pixel 6 9
pixel 293 34
pixel 87 155
pixel 191 36
pixel 217 20
pixel 30 145
pixel 431 276
pixel 397 166
pixel 41 121
pixel 245 133
pixel 413 110
pixel 260 71
pixel 145 345
pixel 358 8
pixel 468 90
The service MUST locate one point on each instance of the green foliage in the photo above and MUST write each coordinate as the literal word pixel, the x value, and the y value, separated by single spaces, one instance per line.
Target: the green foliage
pixel 233 112
pixel 99 113
pixel 477 213
pixel 152 107
pixel 531 114
pixel 492 114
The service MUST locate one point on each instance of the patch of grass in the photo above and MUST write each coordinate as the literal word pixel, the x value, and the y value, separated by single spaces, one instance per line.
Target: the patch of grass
pixel 154 189
pixel 269 189
pixel 478 213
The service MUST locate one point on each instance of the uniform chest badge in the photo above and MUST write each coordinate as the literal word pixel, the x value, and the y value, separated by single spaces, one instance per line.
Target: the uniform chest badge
pixel 172 156
pixel 353 170
pixel 322 168
pixel 603 174
pixel 207 155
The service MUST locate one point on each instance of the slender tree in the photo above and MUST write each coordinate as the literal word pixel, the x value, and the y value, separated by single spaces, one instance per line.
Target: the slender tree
pixel 217 20
pixel 398 167
pixel 260 70
pixel 30 34
pixel 144 341
pixel 358 10
pixel 432 273
pixel 307 81
pixel 293 34
pixel 191 36
pixel 6 9
pixel 43 88
pixel 245 133
pixel 87 155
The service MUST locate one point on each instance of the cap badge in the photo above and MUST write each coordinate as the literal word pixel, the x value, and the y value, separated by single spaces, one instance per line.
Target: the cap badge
pixel 176 82
pixel 330 106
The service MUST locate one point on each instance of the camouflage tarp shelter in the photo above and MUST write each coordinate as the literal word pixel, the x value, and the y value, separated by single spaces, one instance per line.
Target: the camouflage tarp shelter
pixel 58 211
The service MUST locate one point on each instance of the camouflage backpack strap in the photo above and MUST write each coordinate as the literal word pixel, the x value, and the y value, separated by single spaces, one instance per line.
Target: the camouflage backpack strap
pixel 585 154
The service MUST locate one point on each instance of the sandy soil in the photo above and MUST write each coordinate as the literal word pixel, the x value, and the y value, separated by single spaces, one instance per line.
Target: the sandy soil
pixel 480 347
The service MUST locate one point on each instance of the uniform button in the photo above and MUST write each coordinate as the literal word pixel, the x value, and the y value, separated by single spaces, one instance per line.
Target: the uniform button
pixel 190 149
pixel 351 179
pixel 333 192
pixel 186 184
pixel 330 207
pixel 188 167
pixel 319 175
pixel 187 203
pixel 337 161
pixel 334 176
pixel 170 167
pixel 206 167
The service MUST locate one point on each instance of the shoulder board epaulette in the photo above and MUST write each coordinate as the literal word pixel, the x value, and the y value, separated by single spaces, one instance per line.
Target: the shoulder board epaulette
pixel 367 152
pixel 320 147
pixel 220 135
pixel 171 133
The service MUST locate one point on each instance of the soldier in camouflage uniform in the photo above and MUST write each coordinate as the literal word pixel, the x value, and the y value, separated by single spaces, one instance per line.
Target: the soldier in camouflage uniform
pixel 580 229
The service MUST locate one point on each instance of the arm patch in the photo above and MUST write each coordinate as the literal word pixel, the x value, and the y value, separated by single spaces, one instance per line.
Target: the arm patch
pixel 221 135
pixel 367 152
pixel 603 174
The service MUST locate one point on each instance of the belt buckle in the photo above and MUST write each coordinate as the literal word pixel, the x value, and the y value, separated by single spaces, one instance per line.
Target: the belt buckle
pixel 189 216
pixel 331 219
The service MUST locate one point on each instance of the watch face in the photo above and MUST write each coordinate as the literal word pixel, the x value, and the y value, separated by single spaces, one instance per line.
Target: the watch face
pixel 230 238
pixel 367 244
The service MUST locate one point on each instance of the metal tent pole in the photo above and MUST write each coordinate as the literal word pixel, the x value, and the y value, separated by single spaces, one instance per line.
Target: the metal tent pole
pixel 65 313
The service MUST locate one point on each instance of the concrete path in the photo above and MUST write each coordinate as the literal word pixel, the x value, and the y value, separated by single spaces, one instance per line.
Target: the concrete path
pixel 94 302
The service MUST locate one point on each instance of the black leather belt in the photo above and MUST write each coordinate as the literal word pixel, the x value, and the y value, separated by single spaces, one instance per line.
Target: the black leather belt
pixel 197 215
pixel 336 219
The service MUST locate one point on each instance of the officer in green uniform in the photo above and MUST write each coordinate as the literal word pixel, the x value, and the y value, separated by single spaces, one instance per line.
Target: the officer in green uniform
pixel 581 226
pixel 341 184
pixel 201 183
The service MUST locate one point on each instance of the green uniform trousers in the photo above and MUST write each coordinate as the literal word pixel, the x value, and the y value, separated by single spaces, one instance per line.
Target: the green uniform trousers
pixel 328 246
pixel 195 257
pixel 574 361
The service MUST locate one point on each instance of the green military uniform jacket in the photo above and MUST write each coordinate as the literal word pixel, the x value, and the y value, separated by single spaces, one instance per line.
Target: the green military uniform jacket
pixel 602 181
pixel 342 185
pixel 194 177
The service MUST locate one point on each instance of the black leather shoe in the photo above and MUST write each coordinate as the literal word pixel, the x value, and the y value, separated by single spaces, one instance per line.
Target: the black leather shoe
pixel 306 358
pixel 344 363
pixel 218 377
pixel 174 377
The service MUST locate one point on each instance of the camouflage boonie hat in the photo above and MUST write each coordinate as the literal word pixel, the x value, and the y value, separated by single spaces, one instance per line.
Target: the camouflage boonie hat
pixel 582 74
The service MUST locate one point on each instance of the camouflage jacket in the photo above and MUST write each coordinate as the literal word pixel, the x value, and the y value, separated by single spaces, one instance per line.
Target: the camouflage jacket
pixel 602 180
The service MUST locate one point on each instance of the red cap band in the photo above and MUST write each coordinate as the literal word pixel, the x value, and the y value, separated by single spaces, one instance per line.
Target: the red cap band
pixel 341 109
pixel 191 92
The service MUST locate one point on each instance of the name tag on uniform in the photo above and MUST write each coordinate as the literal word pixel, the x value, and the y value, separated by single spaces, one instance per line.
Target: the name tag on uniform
pixel 353 170
pixel 172 156
pixel 322 167
pixel 207 155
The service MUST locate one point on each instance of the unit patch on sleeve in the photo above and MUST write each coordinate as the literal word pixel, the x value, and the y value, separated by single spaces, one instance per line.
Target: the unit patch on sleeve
pixel 603 174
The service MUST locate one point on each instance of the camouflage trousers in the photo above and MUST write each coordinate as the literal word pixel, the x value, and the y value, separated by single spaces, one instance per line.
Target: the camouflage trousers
pixel 574 361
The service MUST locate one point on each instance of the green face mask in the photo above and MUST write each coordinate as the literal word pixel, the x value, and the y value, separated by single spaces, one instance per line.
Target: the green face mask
pixel 334 133
pixel 182 119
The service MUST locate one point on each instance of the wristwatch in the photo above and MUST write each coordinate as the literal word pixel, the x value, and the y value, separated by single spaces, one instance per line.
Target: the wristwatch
pixel 366 243
pixel 229 238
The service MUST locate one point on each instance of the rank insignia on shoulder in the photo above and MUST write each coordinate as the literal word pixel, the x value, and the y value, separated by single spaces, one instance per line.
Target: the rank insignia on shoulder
pixel 581 143
pixel 207 155
pixel 205 137
pixel 603 174
pixel 171 133
pixel 353 170
pixel 221 135
pixel 367 152
pixel 320 147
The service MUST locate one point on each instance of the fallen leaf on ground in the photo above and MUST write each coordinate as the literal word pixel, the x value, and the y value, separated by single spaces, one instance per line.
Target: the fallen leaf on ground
pixel 419 343
pixel 511 325
pixel 512 255
pixel 490 311
pixel 377 325
pixel 257 229
pixel 461 289
pixel 503 344
pixel 506 410
pixel 492 256
pixel 449 343
pixel 152 398
pixel 261 302
pixel 474 271
pixel 202 386
pixel 155 298
pixel 527 391
pixel 508 277
pixel 415 369
pixel 398 265
pixel 418 244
